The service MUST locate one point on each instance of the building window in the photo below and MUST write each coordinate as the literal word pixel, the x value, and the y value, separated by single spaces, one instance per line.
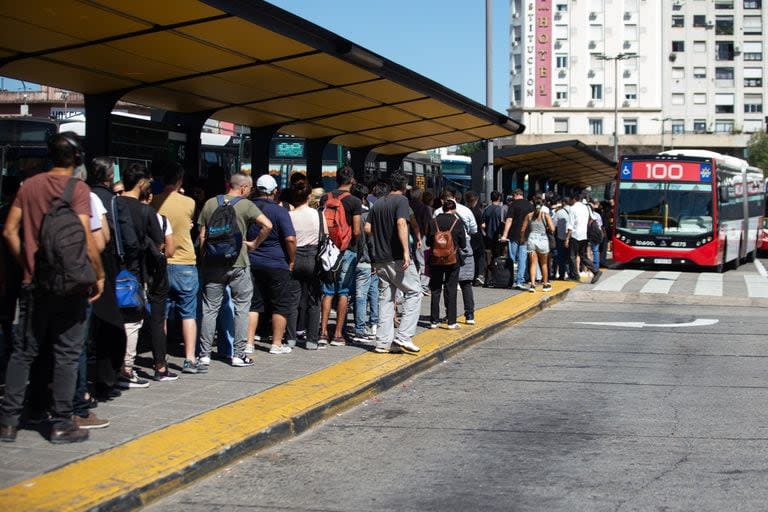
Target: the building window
pixel 678 20
pixel 724 103
pixel 678 72
pixel 753 50
pixel 699 98
pixel 597 91
pixel 724 73
pixel 678 126
pixel 724 50
pixel 699 20
pixel 630 92
pixel 561 61
pixel 753 4
pixel 678 99
pixel 678 46
pixel 723 4
pixel 596 126
pixel 723 126
pixel 753 77
pixel 561 8
pixel 561 125
pixel 630 127
pixel 517 94
pixel 700 46
pixel 753 103
pixel 561 92
pixel 699 72
pixel 699 126
pixel 753 25
pixel 753 125
pixel 724 25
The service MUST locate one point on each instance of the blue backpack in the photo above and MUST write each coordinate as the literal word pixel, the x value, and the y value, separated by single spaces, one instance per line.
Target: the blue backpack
pixel 129 289
pixel 223 239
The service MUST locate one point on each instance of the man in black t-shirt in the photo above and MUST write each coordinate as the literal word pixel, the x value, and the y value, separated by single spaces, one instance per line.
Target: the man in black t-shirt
pixel 491 226
pixel 344 283
pixel 387 229
pixel 513 226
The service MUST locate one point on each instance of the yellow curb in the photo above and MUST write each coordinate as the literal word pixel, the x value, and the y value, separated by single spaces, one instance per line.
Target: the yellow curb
pixel 155 464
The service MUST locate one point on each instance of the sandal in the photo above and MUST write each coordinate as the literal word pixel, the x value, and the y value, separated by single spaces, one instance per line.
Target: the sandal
pixel 338 341
pixel 322 342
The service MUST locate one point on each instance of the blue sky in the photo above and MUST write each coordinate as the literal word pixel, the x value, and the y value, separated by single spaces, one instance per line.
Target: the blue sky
pixel 441 39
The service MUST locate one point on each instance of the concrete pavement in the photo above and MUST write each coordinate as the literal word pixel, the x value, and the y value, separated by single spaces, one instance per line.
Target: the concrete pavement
pixel 174 432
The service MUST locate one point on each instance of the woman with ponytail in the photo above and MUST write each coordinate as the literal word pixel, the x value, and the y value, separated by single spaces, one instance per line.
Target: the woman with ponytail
pixel 539 223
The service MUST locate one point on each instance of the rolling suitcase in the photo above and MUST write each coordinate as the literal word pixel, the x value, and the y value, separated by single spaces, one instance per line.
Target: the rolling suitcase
pixel 500 275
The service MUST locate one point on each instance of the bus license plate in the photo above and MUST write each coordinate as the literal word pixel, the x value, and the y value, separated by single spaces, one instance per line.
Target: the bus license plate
pixel 663 261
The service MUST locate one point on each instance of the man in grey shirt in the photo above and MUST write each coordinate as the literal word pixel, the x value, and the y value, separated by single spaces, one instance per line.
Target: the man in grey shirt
pixel 387 230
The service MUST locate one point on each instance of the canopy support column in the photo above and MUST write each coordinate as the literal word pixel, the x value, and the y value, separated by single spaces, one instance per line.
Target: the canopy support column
pixel 98 123
pixel 313 149
pixel 261 140
pixel 357 162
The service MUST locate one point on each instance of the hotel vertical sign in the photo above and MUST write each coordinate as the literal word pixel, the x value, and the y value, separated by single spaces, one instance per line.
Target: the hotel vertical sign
pixel 543 55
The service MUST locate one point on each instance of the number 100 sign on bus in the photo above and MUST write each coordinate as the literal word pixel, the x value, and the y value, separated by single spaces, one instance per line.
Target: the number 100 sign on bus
pixel 687 207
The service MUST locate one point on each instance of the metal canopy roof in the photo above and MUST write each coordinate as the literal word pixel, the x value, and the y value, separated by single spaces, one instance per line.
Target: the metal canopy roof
pixel 569 162
pixel 249 63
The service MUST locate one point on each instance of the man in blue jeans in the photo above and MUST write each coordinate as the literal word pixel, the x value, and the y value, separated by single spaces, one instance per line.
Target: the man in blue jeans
pixel 513 226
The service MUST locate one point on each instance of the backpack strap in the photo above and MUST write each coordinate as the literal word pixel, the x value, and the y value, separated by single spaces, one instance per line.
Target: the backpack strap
pixel 321 234
pixel 234 200
pixel 118 236
pixel 69 191
pixel 165 224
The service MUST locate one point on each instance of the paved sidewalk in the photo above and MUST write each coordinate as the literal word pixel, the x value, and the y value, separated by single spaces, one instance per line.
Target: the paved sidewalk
pixel 141 412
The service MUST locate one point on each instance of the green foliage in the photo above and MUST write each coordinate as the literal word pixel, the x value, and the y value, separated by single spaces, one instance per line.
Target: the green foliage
pixel 468 148
pixel 758 151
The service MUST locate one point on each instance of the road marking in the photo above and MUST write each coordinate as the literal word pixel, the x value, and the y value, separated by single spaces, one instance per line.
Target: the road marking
pixel 757 286
pixel 661 282
pixel 709 284
pixel 699 322
pixel 761 268
pixel 617 281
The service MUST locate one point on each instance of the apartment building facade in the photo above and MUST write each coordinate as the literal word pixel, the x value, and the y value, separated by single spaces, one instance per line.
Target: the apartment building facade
pixel 664 73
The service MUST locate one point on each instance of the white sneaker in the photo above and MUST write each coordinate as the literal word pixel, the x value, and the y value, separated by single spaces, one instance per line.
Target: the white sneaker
pixel 204 360
pixel 280 349
pixel 248 349
pixel 242 361
pixel 406 345
pixel 453 326
pixel 433 325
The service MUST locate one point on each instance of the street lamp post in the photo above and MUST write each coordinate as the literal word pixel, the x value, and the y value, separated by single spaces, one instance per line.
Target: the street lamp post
pixel 616 58
pixel 488 174
pixel 663 124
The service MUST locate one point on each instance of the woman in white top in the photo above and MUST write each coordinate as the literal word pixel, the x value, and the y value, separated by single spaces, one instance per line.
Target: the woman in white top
pixel 305 278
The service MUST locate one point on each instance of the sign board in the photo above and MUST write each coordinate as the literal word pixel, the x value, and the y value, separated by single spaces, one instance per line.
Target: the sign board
pixel 655 170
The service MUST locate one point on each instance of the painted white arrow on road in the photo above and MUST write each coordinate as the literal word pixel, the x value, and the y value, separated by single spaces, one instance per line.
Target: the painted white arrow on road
pixel 699 322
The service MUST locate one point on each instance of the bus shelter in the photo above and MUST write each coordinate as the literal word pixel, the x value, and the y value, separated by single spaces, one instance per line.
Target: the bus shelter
pixel 563 167
pixel 248 63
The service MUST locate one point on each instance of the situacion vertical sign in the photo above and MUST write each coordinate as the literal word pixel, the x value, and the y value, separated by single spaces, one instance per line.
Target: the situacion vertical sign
pixel 543 55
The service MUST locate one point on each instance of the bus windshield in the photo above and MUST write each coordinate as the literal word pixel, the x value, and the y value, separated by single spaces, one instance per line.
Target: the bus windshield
pixel 665 208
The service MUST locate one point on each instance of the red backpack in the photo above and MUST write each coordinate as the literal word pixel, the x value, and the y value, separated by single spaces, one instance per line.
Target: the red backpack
pixel 339 230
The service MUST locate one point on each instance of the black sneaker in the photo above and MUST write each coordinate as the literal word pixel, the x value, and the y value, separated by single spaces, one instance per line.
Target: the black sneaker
pixel 132 382
pixel 165 375
pixel 596 277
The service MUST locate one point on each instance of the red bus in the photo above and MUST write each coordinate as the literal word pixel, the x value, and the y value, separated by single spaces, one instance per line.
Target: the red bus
pixel 688 207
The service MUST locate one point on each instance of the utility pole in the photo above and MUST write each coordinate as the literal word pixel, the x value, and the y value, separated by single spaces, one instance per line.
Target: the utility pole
pixel 488 174
pixel 616 58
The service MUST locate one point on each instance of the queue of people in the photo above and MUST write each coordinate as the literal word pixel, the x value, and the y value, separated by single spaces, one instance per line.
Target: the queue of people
pixel 247 264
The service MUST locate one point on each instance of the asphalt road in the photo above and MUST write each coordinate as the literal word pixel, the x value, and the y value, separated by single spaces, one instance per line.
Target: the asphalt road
pixel 550 414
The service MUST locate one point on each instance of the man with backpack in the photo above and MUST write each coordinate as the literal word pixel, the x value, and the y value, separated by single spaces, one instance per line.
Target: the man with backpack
pixel 490 226
pixel 61 273
pixel 578 241
pixel 223 222
pixel 342 213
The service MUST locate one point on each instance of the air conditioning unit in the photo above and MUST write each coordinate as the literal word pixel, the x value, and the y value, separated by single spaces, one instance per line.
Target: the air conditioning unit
pixel 736 49
pixel 625 104
pixel 592 45
pixel 558 16
pixel 590 103
pixel 561 73
pixel 555 103
pixel 627 16
pixel 592 16
pixel 627 73
pixel 710 24
pixel 516 15
pixel 558 44
pixel 627 45
pixel 591 73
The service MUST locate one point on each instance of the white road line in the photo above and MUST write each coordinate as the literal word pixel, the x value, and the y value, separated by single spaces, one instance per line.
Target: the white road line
pixel 660 283
pixel 709 284
pixel 761 268
pixel 617 281
pixel 757 286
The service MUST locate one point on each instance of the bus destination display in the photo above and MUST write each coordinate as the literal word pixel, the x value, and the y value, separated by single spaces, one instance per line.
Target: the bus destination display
pixel 666 171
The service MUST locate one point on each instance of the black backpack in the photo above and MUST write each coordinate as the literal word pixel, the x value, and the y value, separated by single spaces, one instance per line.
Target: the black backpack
pixel 594 232
pixel 223 239
pixel 62 266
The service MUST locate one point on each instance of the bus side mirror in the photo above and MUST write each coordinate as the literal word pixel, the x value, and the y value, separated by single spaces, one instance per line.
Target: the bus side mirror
pixel 722 192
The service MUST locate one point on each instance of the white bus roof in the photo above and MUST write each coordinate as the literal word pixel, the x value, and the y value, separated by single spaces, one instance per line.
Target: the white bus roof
pixel 730 161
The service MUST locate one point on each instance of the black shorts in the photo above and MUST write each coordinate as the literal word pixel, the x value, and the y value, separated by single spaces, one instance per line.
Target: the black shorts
pixel 271 290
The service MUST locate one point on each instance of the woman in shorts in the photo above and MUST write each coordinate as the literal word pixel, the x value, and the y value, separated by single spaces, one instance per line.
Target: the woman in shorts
pixel 538 223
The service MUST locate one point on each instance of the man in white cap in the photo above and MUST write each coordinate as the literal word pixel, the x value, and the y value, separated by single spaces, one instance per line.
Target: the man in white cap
pixel 223 221
pixel 271 266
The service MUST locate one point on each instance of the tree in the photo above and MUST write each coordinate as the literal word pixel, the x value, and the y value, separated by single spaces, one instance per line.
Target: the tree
pixel 469 148
pixel 758 151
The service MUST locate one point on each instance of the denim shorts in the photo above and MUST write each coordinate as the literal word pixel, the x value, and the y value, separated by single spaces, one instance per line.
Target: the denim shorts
pixel 345 281
pixel 184 287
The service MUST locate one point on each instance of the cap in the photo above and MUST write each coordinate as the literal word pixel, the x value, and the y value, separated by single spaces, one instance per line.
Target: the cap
pixel 266 183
